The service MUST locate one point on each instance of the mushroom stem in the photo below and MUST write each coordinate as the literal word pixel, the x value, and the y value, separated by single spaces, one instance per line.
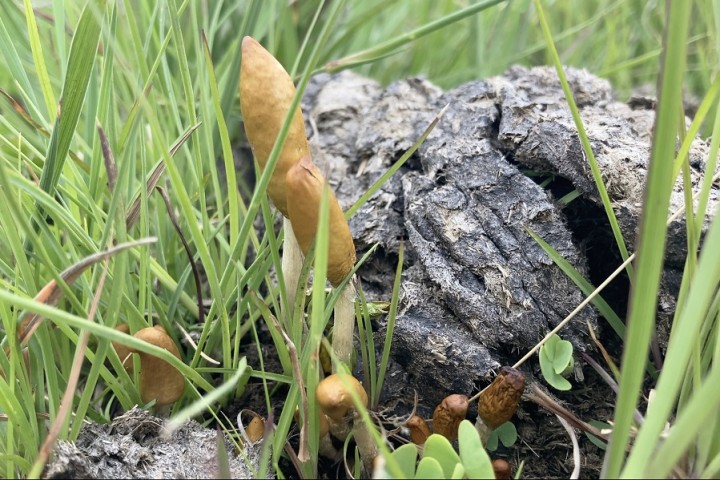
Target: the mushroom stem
pixel 344 328
pixel 292 260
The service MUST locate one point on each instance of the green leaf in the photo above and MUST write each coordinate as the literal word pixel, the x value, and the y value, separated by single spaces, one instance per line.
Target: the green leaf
pixel 475 459
pixel 563 356
pixel 601 444
pixel 440 448
pixel 507 433
pixel 547 365
pixel 429 468
pixel 493 441
pixel 459 472
pixel 80 65
pixel 406 456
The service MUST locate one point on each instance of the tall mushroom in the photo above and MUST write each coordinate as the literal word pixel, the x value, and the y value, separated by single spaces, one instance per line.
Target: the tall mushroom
pixel 304 186
pixel 266 93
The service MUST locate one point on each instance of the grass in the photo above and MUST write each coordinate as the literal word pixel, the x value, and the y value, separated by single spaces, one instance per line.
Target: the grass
pixel 162 84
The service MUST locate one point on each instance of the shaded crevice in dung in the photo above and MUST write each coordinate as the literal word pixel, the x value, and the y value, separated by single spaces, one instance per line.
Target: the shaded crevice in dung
pixel 539 130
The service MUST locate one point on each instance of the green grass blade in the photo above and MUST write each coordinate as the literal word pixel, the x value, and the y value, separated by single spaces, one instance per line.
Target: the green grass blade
pixel 80 64
pixel 390 46
pixel 587 288
pixel 584 140
pixel 651 243
pixel 39 59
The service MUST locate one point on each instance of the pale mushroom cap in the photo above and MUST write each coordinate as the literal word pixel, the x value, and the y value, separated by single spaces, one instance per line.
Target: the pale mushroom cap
pixel 304 187
pixel 334 398
pixel 266 92
pixel 159 380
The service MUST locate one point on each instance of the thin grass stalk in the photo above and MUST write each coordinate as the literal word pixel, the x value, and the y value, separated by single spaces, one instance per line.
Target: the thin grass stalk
pixel 651 244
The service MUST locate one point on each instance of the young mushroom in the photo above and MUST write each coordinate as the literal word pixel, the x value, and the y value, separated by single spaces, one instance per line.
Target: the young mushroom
pixel 266 93
pixel 304 186
pixel 498 403
pixel 448 415
pixel 336 403
pixel 419 429
pixel 159 380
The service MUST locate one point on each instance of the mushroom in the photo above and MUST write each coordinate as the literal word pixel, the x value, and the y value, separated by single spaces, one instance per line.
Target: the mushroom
pixel 304 186
pixel 419 430
pixel 448 415
pixel 336 402
pixel 266 93
pixel 159 380
pixel 501 467
pixel 498 403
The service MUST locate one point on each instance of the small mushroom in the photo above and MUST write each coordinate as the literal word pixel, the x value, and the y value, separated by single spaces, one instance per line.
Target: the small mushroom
pixel 335 401
pixel 159 380
pixel 501 468
pixel 419 429
pixel 304 185
pixel 499 402
pixel 448 415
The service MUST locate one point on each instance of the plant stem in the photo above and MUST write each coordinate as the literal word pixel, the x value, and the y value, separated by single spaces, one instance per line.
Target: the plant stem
pixel 344 329
pixel 292 260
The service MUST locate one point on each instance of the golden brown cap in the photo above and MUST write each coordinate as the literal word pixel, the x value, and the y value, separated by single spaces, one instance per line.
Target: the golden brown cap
pixel 419 429
pixel 334 398
pixel 304 186
pixel 159 380
pixel 498 403
pixel 266 92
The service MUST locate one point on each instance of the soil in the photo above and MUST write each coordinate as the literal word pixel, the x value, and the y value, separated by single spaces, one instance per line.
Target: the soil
pixel 477 291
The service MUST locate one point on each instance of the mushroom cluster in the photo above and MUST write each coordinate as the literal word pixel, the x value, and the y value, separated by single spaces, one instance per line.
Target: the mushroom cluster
pixel 296 185
pixel 296 189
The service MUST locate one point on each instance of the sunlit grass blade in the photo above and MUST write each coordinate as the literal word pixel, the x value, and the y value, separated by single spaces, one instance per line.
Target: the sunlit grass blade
pixel 584 139
pixel 586 287
pixel 650 250
pixel 389 46
pixel 80 64
pixel 39 59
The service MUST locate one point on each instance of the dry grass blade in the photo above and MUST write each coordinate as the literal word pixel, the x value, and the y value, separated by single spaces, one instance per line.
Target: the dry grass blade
pixel 66 402
pixel 186 246
pixel 134 210
pixel 51 293
pixel 576 447
pixel 110 165
pixel 538 396
pixel 22 111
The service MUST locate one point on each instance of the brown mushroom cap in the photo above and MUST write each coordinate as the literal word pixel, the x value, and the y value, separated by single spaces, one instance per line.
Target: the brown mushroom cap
pixel 304 188
pixel 448 415
pixel 334 398
pixel 501 467
pixel 498 403
pixel 255 429
pixel 159 380
pixel 266 92
pixel 419 429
